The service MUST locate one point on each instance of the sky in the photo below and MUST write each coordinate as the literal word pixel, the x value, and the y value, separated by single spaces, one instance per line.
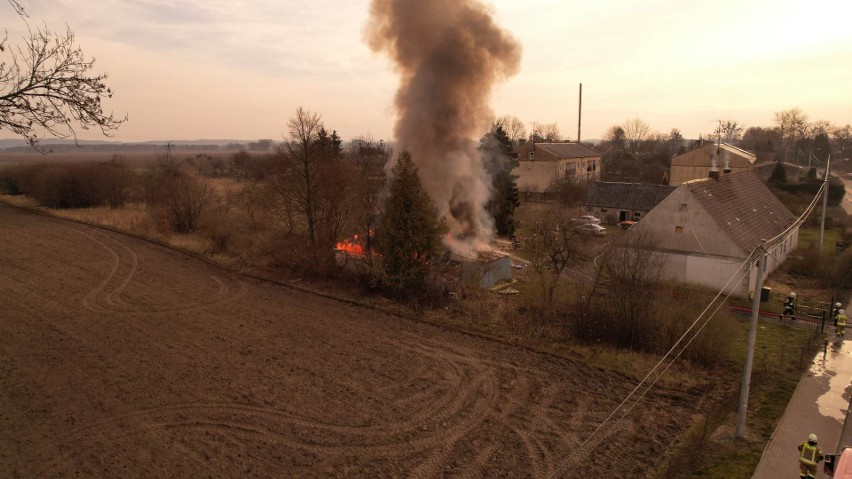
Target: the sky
pixel 234 69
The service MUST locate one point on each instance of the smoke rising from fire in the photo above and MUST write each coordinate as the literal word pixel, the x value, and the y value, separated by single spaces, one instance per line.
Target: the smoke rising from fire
pixel 449 55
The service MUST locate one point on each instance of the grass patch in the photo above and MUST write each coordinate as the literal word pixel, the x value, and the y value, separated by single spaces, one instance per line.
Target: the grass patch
pixel 711 450
pixel 809 238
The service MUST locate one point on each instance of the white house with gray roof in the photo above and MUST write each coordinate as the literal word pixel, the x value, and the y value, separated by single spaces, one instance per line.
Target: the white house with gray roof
pixel 708 227
pixel 541 165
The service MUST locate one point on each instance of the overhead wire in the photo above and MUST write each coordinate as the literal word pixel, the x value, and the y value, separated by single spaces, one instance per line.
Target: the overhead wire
pixel 670 363
pixel 764 247
pixel 558 471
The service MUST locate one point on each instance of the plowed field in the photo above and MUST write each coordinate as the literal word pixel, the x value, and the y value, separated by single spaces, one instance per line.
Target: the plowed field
pixel 123 359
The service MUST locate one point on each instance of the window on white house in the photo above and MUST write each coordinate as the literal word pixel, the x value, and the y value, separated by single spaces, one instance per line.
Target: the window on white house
pixel 679 230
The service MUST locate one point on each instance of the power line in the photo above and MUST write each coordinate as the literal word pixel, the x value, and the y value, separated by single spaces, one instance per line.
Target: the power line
pixel 773 243
pixel 558 470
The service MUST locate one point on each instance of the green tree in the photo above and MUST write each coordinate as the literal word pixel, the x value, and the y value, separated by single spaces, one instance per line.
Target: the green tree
pixel 501 160
pixel 411 229
pixel 779 175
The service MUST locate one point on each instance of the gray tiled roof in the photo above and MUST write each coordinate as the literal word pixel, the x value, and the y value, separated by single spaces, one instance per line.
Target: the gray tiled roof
pixel 568 150
pixel 743 206
pixel 626 196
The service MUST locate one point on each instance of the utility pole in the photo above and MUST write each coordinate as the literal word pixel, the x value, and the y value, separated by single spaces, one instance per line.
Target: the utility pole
pixel 580 117
pixel 824 204
pixel 752 337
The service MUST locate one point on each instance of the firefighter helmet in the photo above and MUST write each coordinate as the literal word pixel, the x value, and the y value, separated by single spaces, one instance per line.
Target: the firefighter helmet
pixel 812 438
pixel 792 295
pixel 838 305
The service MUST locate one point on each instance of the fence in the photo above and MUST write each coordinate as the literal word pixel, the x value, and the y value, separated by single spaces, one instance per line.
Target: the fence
pixel 808 322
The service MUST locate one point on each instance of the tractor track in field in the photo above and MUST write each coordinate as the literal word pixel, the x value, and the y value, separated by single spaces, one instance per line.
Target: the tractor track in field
pixel 121 358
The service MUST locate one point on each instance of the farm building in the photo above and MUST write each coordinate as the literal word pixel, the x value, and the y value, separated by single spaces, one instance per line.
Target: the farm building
pixel 541 165
pixel 614 202
pixel 697 163
pixel 707 227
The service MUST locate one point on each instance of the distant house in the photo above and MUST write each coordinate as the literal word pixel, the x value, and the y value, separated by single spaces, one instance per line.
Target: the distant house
pixel 697 163
pixel 541 165
pixel 707 227
pixel 623 201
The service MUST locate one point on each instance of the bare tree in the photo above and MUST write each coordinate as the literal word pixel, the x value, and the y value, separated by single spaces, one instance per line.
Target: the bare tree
pixel 792 126
pixel 635 269
pixel 545 133
pixel 636 133
pixel 729 131
pixel 369 159
pixel 46 85
pixel 819 127
pixel 513 126
pixel 301 166
pixel 673 142
pixel 311 184
pixel 842 137
pixel 553 244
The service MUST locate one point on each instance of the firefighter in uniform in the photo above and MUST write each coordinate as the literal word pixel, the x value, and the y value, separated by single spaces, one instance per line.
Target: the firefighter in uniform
pixel 790 306
pixel 809 456
pixel 837 308
pixel 841 323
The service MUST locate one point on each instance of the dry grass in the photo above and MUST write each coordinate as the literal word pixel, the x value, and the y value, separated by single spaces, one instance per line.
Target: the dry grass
pixel 134 218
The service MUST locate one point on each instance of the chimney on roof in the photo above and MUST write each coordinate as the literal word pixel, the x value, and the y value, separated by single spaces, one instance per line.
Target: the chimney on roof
pixel 714 169
pixel 727 157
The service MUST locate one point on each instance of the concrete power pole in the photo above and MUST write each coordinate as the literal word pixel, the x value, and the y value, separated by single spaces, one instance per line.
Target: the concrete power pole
pixel 824 204
pixel 752 338
pixel 580 117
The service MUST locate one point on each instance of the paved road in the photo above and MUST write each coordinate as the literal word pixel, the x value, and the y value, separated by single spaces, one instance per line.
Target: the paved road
pixel 847 200
pixel 819 405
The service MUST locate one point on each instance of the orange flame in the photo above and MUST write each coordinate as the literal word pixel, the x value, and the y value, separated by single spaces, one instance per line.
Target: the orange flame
pixel 347 246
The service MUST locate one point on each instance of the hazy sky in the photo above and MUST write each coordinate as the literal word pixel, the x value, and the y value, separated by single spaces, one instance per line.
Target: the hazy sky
pixel 191 69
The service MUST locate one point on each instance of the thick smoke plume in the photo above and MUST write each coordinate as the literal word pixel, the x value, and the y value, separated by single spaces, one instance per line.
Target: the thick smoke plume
pixel 449 55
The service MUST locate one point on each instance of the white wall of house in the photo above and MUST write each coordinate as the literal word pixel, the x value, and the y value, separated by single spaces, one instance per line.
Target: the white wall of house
pixel 680 223
pixel 697 249
pixel 710 271
pixel 714 272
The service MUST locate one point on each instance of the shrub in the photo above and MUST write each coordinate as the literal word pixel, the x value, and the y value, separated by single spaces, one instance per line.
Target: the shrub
pixel 831 270
pixel 176 196
pixel 669 313
pixel 10 180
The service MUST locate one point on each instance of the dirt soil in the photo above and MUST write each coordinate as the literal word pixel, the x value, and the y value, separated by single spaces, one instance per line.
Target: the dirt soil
pixel 121 358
